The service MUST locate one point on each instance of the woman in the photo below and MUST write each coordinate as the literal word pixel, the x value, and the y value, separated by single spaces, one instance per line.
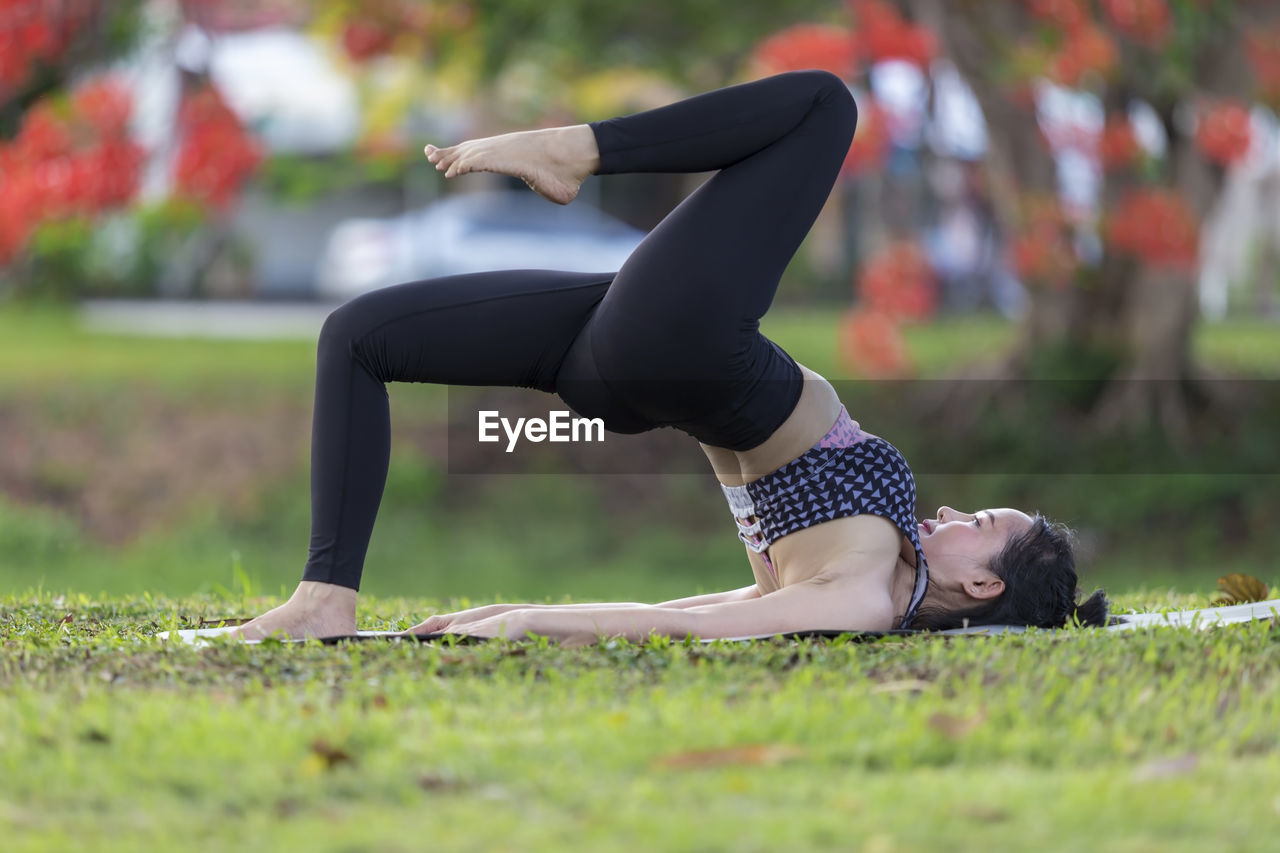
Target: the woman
pixel 826 510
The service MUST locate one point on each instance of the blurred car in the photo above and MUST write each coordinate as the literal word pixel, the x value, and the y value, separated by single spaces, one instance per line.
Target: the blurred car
pixel 472 232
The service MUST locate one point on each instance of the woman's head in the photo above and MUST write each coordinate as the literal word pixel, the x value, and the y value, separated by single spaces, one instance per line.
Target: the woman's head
pixel 1001 567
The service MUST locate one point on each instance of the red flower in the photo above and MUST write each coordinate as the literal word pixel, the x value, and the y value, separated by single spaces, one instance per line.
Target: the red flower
pixel 871 345
pixel 1157 226
pixel 1223 133
pixel 1041 256
pixel 216 155
pixel 1041 251
pixel 1087 50
pixel 105 104
pixel 19 203
pixel 1066 15
pixel 44 135
pixel 886 35
pixel 112 172
pixel 898 281
pixel 35 33
pixel 67 162
pixel 1145 21
pixel 1118 145
pixel 364 40
pixel 808 46
pixel 372 27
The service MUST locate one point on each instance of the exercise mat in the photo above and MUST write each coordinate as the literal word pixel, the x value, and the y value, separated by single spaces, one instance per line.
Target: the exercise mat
pixel 1204 618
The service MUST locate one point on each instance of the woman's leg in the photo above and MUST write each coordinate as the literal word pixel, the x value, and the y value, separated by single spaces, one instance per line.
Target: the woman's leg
pixel 676 337
pixel 509 327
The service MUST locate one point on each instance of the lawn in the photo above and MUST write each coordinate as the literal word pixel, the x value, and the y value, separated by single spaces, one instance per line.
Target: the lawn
pixel 111 740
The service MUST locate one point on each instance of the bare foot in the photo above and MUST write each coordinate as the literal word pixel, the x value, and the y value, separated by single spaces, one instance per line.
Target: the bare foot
pixel 293 622
pixel 314 610
pixel 553 161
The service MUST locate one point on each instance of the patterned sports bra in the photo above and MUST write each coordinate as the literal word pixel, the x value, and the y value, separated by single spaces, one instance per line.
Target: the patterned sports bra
pixel 848 472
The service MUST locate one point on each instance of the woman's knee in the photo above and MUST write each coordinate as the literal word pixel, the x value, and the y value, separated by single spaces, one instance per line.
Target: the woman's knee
pixel 360 315
pixel 833 96
pixel 348 332
pixel 342 327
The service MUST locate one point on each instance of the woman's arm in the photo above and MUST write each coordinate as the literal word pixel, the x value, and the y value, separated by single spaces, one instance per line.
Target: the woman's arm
pixel 446 621
pixel 747 592
pixel 855 605
pixel 742 594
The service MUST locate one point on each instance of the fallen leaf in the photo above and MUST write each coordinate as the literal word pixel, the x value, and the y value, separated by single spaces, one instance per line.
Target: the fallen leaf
pixel 1240 588
pixel 437 782
pixel 286 807
pixel 1165 767
pixel 68 618
pixel 331 755
pixel 900 686
pixel 985 813
pixel 956 727
pixel 760 753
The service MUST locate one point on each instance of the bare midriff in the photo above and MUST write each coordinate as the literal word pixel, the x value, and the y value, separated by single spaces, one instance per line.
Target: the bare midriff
pixel 801 555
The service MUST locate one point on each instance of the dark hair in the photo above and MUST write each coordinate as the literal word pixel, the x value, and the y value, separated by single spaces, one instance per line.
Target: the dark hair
pixel 1038 568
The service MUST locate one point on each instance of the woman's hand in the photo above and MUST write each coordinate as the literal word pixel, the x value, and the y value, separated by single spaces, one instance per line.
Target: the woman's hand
pixel 512 625
pixel 443 622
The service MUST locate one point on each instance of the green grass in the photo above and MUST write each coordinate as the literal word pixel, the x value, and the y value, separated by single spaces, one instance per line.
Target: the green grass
pixel 110 740
pixel 39 346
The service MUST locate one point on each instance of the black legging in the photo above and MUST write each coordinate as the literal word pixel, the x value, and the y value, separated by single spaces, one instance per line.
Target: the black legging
pixel 670 339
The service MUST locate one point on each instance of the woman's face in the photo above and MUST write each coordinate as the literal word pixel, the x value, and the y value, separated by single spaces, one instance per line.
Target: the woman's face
pixel 955 540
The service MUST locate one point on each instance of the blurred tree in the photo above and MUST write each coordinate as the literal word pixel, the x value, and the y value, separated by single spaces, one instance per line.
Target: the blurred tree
pixel 699 44
pixel 1130 310
pixel 1128 313
pixel 67 159
pixel 65 156
pixel 520 61
pixel 43 45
